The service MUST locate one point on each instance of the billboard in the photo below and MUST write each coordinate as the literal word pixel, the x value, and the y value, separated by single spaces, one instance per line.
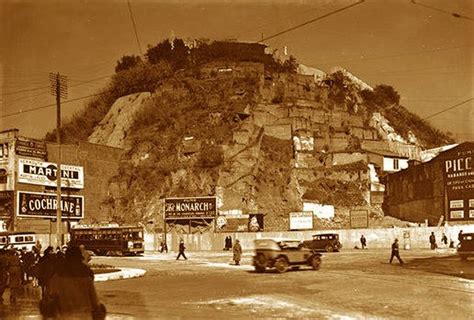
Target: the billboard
pixel 240 223
pixel 43 205
pixel 190 208
pixel 458 173
pixel 30 148
pixel 301 220
pixel 44 173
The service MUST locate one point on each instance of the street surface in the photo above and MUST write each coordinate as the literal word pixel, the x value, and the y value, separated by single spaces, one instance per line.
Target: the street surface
pixel 356 284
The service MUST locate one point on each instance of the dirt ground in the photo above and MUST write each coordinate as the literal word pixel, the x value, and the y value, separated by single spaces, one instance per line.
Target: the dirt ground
pixel 353 284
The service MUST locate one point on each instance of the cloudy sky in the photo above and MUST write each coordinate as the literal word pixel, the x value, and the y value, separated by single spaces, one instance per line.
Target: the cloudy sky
pixel 423 49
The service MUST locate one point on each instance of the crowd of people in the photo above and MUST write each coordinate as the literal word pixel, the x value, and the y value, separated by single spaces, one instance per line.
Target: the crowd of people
pixel 64 275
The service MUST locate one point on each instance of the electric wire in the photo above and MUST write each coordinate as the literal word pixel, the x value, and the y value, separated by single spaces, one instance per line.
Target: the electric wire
pixel 448 108
pixel 134 27
pixel 310 21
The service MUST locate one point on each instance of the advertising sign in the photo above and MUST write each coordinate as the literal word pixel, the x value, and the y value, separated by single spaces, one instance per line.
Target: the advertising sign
pixel 190 208
pixel 458 173
pixel 301 220
pixel 256 222
pixel 44 173
pixel 43 205
pixel 359 218
pixel 30 148
pixel 236 223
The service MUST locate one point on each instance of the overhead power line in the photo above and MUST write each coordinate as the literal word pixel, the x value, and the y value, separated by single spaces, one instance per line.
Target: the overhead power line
pixel 134 27
pixel 454 14
pixel 24 90
pixel 310 21
pixel 448 108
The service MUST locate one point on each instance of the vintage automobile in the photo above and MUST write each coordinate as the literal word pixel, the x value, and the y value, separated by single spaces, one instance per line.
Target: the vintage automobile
pixel 466 246
pixel 283 254
pixel 328 242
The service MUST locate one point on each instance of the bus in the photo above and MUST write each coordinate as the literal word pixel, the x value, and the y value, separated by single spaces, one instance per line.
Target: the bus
pixel 17 240
pixel 111 240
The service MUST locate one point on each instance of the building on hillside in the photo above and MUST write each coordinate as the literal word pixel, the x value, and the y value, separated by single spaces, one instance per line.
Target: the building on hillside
pixel 439 190
pixel 28 182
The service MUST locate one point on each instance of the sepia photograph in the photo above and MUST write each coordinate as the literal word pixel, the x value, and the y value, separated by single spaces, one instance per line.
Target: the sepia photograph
pixel 236 159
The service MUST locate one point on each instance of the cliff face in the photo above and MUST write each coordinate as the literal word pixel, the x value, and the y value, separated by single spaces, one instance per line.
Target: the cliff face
pixel 261 142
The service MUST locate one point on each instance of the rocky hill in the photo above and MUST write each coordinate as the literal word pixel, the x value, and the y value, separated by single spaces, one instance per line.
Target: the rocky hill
pixel 261 134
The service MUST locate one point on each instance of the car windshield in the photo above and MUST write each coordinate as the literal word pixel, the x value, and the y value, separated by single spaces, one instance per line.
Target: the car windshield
pixel 289 244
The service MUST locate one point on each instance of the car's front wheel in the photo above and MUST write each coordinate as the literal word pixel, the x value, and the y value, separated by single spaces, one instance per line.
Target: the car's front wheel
pixel 329 248
pixel 316 263
pixel 281 264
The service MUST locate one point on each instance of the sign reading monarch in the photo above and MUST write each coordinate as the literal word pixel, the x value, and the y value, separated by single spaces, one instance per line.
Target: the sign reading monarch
pixel 44 173
pixel 190 208
pixel 44 205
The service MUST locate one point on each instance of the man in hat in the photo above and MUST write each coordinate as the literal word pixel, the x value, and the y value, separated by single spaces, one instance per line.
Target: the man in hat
pixel 395 252
pixel 181 250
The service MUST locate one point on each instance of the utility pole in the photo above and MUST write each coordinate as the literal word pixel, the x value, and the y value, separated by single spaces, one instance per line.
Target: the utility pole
pixel 59 89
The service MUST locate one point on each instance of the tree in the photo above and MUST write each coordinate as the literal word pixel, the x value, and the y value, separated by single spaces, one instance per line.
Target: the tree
pixel 127 62
pixel 386 96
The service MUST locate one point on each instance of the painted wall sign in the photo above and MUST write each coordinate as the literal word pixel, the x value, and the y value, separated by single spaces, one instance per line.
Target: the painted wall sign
pixel 190 208
pixel 301 220
pixel 43 205
pixel 456 204
pixel 359 218
pixel 44 173
pixel 30 148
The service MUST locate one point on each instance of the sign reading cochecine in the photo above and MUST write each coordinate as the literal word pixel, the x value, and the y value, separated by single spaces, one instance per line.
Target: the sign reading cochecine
pixel 44 173
pixel 44 205
pixel 190 208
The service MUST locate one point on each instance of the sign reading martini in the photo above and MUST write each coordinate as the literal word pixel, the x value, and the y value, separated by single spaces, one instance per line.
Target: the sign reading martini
pixel 44 173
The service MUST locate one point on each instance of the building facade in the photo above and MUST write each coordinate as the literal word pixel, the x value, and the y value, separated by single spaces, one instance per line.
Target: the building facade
pixel 28 183
pixel 435 191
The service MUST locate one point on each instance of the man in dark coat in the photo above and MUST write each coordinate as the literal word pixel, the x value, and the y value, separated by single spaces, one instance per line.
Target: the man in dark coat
pixel 15 274
pixel 46 269
pixel 363 241
pixel 395 252
pixel 237 250
pixel 181 250
pixel 432 241
pixel 72 287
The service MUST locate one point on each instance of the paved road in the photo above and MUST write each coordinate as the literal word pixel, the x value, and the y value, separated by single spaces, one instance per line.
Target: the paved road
pixel 353 284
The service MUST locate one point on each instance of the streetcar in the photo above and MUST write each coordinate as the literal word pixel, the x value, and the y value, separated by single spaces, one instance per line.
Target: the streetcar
pixel 112 240
pixel 17 240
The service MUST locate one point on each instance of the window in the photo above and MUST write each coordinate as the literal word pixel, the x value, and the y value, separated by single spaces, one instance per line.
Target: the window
pixel 29 238
pixel 395 164
pixel 3 175
pixel 4 150
pixel 19 239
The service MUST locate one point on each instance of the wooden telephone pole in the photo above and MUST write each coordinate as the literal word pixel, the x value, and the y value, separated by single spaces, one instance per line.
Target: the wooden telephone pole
pixel 59 89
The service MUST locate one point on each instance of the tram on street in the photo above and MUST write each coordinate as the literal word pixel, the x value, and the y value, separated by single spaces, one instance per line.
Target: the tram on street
pixel 17 239
pixel 110 240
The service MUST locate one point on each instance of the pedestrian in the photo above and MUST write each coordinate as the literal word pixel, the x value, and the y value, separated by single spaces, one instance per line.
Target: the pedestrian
pixel 226 243
pixel 230 243
pixel 46 269
pixel 363 241
pixel 71 293
pixel 444 239
pixel 237 250
pixel 85 254
pixel 15 274
pixel 459 237
pixel 164 247
pixel 395 252
pixel 37 248
pixel 181 250
pixel 3 272
pixel 433 241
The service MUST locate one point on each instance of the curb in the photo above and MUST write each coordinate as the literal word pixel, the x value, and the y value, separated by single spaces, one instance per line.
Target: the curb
pixel 124 273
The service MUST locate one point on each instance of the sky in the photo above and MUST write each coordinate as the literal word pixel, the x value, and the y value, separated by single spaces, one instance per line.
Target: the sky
pixel 421 48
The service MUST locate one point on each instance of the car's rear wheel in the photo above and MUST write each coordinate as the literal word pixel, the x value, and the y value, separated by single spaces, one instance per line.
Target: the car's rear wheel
pixel 329 248
pixel 316 263
pixel 281 264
